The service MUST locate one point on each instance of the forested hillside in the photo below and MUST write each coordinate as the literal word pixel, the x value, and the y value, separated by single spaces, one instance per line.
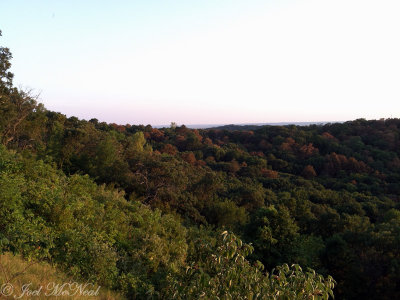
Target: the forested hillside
pixel 182 213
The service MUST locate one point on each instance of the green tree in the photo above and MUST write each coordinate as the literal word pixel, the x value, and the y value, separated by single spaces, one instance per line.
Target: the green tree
pixel 225 273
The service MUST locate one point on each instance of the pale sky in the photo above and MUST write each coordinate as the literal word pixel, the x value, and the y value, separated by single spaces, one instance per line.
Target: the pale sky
pixel 209 61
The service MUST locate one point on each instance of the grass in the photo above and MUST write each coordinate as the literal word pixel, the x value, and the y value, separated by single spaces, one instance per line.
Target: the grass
pixel 39 279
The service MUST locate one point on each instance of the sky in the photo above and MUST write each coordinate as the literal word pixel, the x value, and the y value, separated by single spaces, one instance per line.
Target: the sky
pixel 210 61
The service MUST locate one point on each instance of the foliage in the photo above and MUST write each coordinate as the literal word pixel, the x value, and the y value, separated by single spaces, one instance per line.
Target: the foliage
pixel 225 273
pixel 123 204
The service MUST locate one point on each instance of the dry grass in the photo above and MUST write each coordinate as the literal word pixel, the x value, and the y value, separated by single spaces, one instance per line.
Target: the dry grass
pixel 18 272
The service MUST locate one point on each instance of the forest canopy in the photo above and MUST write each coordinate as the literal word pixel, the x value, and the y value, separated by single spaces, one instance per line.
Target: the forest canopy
pixel 214 213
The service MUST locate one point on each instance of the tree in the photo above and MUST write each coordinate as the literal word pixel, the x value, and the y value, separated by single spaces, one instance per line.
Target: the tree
pixel 15 105
pixel 309 172
pixel 6 77
pixel 273 232
pixel 138 141
pixel 222 271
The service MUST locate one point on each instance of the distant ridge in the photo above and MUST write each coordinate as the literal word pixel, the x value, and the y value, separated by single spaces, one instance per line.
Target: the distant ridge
pixel 249 126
